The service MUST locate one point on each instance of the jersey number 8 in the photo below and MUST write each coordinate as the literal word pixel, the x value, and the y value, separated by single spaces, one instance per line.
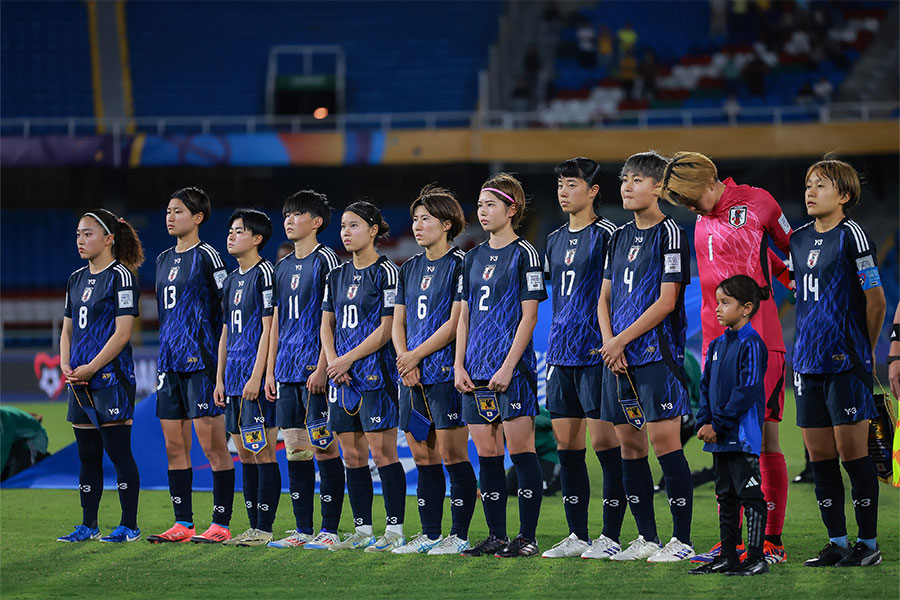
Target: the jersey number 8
pixel 82 317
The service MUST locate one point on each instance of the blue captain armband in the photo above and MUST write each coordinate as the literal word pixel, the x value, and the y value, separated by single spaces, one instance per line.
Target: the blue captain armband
pixel 868 278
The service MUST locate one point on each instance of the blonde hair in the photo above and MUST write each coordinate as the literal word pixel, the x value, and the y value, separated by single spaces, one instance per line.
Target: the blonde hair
pixel 842 175
pixel 510 188
pixel 687 176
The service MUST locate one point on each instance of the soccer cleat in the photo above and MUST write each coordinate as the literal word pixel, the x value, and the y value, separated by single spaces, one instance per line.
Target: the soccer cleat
pixel 257 538
pixel 354 541
pixel 487 547
pixel 387 543
pixel 419 544
pixel 719 564
pixel 772 553
pixel 713 553
pixel 176 533
pixel 324 540
pixel 122 534
pixel 828 556
pixel 751 566
pixel 639 549
pixel 602 547
pixel 861 556
pixel 674 551
pixel 569 547
pixel 295 540
pixel 214 534
pixel 240 537
pixel 451 544
pixel 82 533
pixel 520 546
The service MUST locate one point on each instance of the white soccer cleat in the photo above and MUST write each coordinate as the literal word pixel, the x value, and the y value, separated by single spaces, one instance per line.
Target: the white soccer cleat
pixel 569 547
pixel 324 540
pixel 387 543
pixel 639 549
pixel 246 535
pixel 354 541
pixel 602 548
pixel 674 551
pixel 451 544
pixel 295 540
pixel 419 544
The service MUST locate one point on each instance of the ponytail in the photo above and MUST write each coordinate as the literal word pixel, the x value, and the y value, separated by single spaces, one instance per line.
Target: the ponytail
pixel 126 246
pixel 744 289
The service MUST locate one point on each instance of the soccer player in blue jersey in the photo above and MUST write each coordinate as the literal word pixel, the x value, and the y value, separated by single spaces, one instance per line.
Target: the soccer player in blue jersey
pixel 189 278
pixel 495 365
pixel 573 264
pixel 426 314
pixel 730 420
pixel 241 367
pixel 840 311
pixel 642 318
pixel 295 376
pixel 95 358
pixel 357 314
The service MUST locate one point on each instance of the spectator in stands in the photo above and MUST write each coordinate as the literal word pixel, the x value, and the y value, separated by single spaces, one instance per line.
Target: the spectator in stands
pixel 522 95
pixel 731 72
pixel 754 75
pixel 647 75
pixel 805 95
pixel 628 39
pixel 628 66
pixel 605 47
pixel 732 108
pixel 531 65
pixel 585 37
pixel 823 90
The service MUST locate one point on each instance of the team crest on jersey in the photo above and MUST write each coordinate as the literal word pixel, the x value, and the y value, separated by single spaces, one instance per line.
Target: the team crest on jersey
pixel 737 216
pixel 426 282
pixel 173 273
pixel 812 259
pixel 86 295
pixel 351 291
pixel 237 296
pixel 295 281
pixel 633 252
pixel 488 272
pixel 570 256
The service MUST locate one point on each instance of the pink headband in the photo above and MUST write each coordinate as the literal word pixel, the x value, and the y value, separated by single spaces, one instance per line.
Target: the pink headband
pixel 504 194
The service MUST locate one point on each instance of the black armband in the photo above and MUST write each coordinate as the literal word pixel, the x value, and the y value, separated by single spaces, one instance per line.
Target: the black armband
pixel 895 333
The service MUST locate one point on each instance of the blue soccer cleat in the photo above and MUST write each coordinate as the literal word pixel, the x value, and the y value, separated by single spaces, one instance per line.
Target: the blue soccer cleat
pixel 82 533
pixel 122 534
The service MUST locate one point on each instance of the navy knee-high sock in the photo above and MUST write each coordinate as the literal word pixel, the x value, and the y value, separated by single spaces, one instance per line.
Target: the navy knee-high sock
pixel 531 492
pixel 269 494
pixel 117 443
pixel 251 491
pixel 680 490
pixel 331 492
pixel 393 491
pixel 223 496
pixel 359 488
pixel 864 491
pixel 302 482
pixel 430 491
pixel 613 492
pixel 463 491
pixel 493 493
pixel 638 482
pixel 830 495
pixel 180 484
pixel 90 477
pixel 576 490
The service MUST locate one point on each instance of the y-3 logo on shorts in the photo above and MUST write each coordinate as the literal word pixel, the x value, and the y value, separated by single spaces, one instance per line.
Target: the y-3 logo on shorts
pixel 851 410
pixel 666 406
pixel 203 405
pixel 114 411
pixel 376 419
pixel 515 405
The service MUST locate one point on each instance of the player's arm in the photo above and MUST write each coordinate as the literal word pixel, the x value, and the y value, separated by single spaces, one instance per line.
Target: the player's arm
pixel 779 270
pixel 613 350
pixel 374 341
pixel 318 379
pixel 271 388
pixel 500 381
pixel 603 310
pixel 65 347
pixel 461 378
pixel 876 307
pixel 222 355
pixel 894 365
pixel 775 223
pixel 111 349
pixel 441 338
pixel 251 388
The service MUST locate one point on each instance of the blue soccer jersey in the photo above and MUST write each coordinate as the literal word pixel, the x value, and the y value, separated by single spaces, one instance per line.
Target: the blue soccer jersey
pixel 638 262
pixel 495 283
pixel 573 263
pixel 359 298
pixel 832 271
pixel 93 301
pixel 299 289
pixel 189 301
pixel 248 298
pixel 427 288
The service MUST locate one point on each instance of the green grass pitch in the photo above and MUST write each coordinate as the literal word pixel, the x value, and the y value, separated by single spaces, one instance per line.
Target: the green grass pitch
pixel 34 565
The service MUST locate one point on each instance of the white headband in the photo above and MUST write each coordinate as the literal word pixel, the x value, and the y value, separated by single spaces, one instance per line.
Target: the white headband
pixel 99 220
